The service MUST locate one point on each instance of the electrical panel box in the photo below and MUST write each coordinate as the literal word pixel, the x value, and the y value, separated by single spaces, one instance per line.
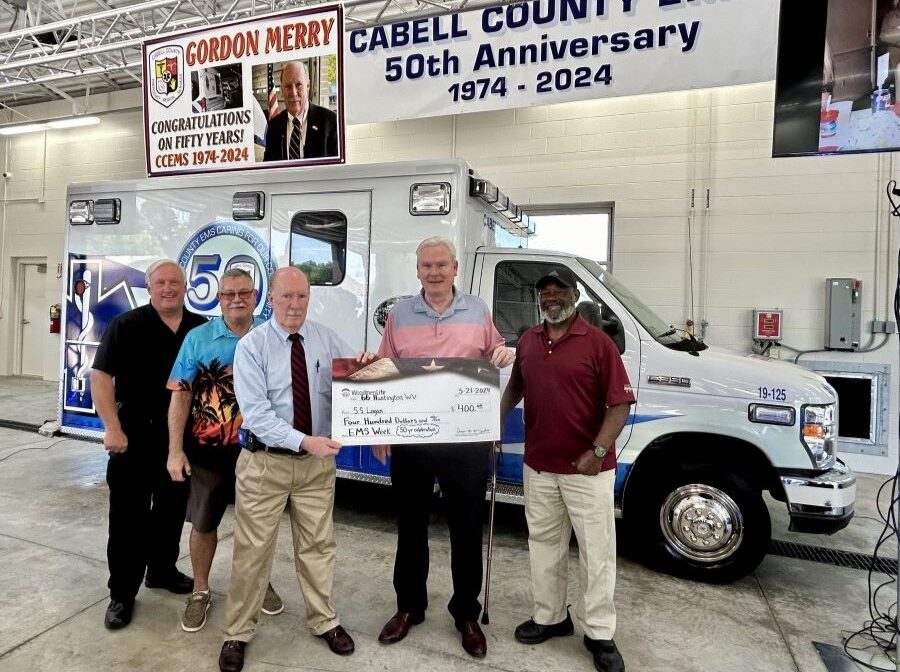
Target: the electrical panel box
pixel 843 313
pixel 767 325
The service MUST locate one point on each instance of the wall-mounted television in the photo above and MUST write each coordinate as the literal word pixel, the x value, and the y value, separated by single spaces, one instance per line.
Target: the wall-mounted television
pixel 837 77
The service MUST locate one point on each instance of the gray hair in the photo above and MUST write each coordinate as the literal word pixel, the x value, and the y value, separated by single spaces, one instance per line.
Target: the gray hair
pixel 155 266
pixel 437 241
pixel 236 273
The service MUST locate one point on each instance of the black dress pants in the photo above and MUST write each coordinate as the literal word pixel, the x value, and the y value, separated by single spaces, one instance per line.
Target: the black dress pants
pixel 461 470
pixel 146 515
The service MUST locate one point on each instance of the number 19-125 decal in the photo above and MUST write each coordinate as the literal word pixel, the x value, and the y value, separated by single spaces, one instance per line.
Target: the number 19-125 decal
pixel 772 393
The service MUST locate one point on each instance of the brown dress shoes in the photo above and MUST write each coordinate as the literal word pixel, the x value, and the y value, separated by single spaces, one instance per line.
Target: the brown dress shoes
pixel 339 641
pixel 473 640
pixel 398 627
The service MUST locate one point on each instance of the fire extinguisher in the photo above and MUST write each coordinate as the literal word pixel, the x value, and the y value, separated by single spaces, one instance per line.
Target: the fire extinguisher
pixel 55 315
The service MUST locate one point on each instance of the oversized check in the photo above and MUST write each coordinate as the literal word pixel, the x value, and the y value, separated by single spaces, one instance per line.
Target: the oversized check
pixel 404 401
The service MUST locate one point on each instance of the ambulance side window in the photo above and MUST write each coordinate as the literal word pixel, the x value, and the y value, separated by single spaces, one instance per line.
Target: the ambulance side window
pixel 319 246
pixel 516 306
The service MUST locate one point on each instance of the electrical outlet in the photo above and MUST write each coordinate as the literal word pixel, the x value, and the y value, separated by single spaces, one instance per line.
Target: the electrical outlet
pixel 883 327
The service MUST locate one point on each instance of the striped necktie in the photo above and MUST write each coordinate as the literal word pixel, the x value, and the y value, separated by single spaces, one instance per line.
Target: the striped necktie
pixel 296 148
pixel 300 386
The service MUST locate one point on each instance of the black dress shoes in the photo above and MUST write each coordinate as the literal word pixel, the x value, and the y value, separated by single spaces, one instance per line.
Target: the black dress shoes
pixel 339 641
pixel 606 656
pixel 118 614
pixel 398 627
pixel 175 582
pixel 473 640
pixel 231 659
pixel 530 632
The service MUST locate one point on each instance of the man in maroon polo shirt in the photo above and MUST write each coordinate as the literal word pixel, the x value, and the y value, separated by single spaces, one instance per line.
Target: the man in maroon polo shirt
pixel 577 398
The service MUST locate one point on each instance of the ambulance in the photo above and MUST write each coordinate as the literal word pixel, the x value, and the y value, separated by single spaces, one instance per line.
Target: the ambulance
pixel 712 430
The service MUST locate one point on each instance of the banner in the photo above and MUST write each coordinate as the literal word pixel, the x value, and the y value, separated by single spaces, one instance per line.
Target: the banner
pixel 552 51
pixel 258 93
pixel 403 401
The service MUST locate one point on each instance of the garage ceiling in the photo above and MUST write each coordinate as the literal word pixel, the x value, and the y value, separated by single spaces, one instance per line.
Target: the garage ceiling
pixel 69 49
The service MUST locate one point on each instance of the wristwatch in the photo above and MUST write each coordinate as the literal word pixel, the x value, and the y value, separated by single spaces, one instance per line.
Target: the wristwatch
pixel 600 451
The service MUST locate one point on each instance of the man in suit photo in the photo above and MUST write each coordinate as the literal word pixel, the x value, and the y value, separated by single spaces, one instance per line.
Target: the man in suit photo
pixel 303 130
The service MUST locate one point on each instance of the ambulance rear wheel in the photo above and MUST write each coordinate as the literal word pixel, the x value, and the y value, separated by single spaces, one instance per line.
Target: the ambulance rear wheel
pixel 705 526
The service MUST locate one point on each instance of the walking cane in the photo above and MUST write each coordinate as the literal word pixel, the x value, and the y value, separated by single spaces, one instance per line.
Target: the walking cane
pixel 485 619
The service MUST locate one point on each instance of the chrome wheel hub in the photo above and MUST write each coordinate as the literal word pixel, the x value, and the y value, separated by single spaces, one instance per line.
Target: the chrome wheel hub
pixel 702 523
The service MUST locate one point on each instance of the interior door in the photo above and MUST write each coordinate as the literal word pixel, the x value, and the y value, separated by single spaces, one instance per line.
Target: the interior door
pixel 34 319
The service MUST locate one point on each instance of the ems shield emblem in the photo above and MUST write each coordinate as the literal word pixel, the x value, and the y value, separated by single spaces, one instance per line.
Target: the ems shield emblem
pixel 167 74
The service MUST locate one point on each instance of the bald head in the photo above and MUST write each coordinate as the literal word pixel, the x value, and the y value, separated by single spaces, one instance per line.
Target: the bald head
pixel 289 296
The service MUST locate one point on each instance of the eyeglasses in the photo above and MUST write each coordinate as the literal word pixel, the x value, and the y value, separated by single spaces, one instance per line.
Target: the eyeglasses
pixel 230 296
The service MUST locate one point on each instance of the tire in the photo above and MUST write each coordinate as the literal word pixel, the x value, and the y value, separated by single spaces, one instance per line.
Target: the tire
pixel 703 525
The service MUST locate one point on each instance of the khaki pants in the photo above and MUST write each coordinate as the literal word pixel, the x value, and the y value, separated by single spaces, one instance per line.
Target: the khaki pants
pixel 554 505
pixel 265 484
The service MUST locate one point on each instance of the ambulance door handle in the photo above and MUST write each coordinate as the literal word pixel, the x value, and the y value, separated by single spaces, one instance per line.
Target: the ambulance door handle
pixel 24 321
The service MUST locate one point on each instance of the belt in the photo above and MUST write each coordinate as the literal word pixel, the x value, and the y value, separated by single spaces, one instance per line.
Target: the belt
pixel 253 444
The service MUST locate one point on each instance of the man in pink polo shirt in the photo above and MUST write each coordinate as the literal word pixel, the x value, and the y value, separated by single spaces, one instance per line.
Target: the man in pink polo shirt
pixel 577 398
pixel 440 321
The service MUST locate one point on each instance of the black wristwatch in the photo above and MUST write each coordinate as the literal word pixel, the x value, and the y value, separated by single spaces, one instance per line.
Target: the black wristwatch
pixel 600 451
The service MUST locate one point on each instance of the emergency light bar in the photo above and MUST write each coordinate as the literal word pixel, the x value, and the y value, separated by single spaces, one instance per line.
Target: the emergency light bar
pixel 500 202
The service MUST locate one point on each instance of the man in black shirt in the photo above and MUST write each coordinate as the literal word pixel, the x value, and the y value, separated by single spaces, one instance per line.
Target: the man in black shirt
pixel 128 383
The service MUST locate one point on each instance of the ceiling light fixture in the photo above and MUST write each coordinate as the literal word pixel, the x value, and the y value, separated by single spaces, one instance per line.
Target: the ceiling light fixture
pixel 35 126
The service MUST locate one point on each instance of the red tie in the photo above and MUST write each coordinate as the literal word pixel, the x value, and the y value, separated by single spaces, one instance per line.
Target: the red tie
pixel 300 386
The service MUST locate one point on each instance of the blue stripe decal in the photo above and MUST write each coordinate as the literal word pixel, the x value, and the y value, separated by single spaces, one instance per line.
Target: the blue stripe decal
pixel 509 466
pixel 514 426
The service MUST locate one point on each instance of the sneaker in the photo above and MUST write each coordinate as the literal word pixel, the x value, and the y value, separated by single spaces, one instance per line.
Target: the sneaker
pixel 195 611
pixel 272 603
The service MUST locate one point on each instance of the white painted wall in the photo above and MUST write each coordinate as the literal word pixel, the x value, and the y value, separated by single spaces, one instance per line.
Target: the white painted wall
pixel 774 230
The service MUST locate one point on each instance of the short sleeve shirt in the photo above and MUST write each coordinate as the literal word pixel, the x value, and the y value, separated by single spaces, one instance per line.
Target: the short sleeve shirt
pixel 415 329
pixel 568 385
pixel 205 366
pixel 138 350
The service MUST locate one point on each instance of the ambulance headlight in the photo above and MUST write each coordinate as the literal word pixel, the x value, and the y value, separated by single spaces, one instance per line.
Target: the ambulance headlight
pixel 248 205
pixel 81 212
pixel 108 211
pixel 772 415
pixel 429 199
pixel 818 433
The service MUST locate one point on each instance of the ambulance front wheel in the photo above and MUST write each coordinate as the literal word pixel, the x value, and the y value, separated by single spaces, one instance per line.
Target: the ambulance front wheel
pixel 705 526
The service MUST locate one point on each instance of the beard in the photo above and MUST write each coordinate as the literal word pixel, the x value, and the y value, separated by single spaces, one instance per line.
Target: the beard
pixel 563 314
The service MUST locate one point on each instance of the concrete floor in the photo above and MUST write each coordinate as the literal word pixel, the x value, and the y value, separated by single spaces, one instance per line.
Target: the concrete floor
pixel 53 593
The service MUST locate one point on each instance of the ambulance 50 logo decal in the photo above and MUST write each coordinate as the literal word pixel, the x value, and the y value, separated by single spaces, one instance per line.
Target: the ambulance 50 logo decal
pixel 166 67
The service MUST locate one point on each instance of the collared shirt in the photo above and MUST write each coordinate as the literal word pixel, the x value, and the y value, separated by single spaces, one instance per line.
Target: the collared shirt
pixel 568 384
pixel 415 329
pixel 262 381
pixel 204 366
pixel 138 350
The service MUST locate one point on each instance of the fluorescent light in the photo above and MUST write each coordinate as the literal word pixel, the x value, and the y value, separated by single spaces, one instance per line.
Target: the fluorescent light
pixel 72 122
pixel 23 128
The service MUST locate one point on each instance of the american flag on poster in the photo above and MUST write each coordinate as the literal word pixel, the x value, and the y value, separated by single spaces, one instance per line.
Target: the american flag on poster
pixel 273 100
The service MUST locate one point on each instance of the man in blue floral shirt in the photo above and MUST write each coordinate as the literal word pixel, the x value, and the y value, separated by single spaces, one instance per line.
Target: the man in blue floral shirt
pixel 203 391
